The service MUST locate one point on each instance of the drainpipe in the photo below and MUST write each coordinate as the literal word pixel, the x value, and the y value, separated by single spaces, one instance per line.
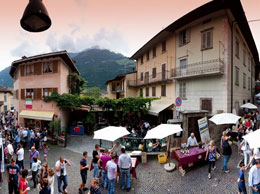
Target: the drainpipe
pixel 232 23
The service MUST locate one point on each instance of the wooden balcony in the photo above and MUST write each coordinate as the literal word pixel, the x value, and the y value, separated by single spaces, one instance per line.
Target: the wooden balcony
pixel 157 78
pixel 205 68
pixel 117 90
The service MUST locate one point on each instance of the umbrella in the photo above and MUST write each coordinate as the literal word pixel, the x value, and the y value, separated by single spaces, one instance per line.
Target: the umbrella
pixel 253 139
pixel 249 106
pixel 162 131
pixel 258 95
pixel 224 118
pixel 110 133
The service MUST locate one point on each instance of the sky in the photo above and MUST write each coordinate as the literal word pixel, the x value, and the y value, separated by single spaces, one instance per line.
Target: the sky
pixel 122 26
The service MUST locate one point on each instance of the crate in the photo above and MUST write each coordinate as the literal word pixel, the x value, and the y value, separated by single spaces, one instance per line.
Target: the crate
pixel 162 158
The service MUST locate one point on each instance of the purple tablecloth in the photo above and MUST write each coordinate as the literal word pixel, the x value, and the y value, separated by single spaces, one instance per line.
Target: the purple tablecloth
pixel 194 156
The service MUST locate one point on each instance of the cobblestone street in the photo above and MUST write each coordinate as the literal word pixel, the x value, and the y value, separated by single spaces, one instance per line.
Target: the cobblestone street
pixel 152 178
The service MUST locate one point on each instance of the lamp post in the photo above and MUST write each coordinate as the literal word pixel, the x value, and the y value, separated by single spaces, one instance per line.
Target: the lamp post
pixel 35 17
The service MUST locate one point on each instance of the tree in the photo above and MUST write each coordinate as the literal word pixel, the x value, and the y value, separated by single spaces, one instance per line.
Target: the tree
pixel 76 83
pixel 94 92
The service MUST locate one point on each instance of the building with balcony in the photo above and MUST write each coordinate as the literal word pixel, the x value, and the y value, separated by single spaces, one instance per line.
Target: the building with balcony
pixel 36 77
pixel 6 99
pixel 118 87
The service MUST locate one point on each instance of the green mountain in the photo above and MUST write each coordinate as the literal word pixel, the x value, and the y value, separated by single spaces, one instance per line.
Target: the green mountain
pixel 95 65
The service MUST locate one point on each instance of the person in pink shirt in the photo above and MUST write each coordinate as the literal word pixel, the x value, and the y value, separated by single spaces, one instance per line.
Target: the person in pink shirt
pixel 102 162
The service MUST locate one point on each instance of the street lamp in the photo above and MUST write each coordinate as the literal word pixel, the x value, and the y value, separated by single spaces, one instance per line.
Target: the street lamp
pixel 35 17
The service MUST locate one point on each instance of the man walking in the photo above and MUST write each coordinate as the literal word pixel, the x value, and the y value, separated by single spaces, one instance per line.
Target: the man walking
pixel 96 157
pixel 83 172
pixel 125 164
pixel 111 175
pixel 10 151
pixel 227 151
pixel 20 156
pixel 103 160
pixel 254 178
pixel 33 153
pixel 62 173
pixel 13 172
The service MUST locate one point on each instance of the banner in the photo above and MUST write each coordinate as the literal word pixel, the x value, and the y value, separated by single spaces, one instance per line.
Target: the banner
pixel 28 103
pixel 204 129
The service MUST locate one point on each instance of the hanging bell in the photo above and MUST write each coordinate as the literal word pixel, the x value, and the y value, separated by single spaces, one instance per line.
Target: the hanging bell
pixel 35 17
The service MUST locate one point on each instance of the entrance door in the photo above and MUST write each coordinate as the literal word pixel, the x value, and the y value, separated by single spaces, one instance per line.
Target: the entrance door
pixel 193 127
pixel 183 66
pixel 163 71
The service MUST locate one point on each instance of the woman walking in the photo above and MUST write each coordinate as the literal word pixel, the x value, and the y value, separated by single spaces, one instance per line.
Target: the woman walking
pixel 211 156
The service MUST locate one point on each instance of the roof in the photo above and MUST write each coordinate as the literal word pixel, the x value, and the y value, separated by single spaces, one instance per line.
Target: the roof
pixel 63 54
pixel 119 77
pixel 158 106
pixel 236 9
pixel 6 89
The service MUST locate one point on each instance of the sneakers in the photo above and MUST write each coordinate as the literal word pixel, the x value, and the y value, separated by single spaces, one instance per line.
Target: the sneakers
pixel 209 176
pixel 214 168
pixel 227 171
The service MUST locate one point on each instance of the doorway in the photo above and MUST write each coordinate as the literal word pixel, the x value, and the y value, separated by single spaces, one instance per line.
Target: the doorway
pixel 193 127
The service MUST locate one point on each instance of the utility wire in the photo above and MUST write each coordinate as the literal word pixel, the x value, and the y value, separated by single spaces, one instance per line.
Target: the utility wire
pixel 257 20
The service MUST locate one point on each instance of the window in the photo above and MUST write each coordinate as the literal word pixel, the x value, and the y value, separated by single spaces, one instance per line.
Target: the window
pixel 29 69
pixel 206 104
pixel 47 67
pixel 142 59
pixel 147 56
pixel 29 93
pixel 244 57
pixel 17 94
pixel 142 76
pixel 163 90
pixel 153 91
pixel 113 87
pixel 184 37
pixel 183 65
pixel 48 91
pixel 237 76
pixel 244 80
pixel 141 92
pixel 147 92
pixel 163 46
pixel 146 77
pixel 237 48
pixel 154 72
pixel 249 83
pixel 182 90
pixel 207 39
pixel 5 98
pixel 249 64
pixel 154 51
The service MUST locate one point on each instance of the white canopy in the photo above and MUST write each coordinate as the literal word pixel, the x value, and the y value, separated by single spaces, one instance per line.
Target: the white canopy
pixel 162 131
pixel 110 133
pixel 157 106
pixel 253 139
pixel 224 118
pixel 249 106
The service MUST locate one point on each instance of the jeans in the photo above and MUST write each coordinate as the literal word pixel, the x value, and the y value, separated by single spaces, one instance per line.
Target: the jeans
pixel 125 173
pixel 13 187
pixel 20 164
pixel 65 182
pixel 225 161
pixel 104 178
pixel 258 187
pixel 247 156
pixel 242 189
pixel 95 171
pixel 35 178
pixel 111 186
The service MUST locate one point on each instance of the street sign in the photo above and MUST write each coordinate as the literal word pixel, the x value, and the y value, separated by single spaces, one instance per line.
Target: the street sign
pixel 178 101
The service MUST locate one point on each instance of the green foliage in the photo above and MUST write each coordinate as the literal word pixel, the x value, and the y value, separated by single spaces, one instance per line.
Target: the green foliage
pixel 94 92
pixel 76 83
pixel 55 126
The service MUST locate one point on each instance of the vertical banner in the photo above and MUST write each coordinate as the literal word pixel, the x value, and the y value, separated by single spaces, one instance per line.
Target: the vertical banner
pixel 204 129
pixel 2 151
pixel 28 103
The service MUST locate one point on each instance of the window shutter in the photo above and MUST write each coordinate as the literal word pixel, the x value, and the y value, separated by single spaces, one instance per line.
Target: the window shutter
pixel 55 66
pixel 208 39
pixel 203 40
pixel 188 34
pixel 37 68
pixel 23 94
pixel 39 92
pixel 180 39
pixel 55 90
pixel 22 70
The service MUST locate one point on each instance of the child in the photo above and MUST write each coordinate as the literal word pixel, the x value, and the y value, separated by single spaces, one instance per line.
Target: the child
pixel 35 167
pixel 241 179
pixel 94 189
pixel 45 150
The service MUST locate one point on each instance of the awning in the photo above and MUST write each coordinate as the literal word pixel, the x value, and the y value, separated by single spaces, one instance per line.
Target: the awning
pixel 37 115
pixel 158 106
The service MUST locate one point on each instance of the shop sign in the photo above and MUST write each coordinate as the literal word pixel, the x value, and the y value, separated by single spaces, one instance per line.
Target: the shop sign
pixel 204 129
pixel 28 103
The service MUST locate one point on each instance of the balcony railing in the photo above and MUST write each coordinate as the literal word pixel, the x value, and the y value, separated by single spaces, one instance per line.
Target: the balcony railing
pixel 152 79
pixel 117 89
pixel 210 67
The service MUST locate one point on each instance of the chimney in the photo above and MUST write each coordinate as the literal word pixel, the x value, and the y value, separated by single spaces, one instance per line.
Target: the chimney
pixel 24 57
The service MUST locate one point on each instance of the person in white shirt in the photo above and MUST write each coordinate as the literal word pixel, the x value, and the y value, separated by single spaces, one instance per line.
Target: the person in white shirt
pixel 125 164
pixel 20 156
pixel 255 156
pixel 62 173
pixel 10 151
pixel 111 168
pixel 192 141
pixel 254 178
